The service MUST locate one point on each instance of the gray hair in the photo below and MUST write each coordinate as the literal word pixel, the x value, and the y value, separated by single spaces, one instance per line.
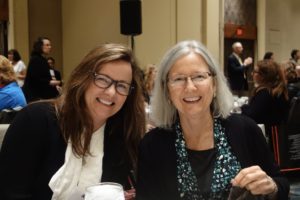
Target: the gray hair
pixel 164 113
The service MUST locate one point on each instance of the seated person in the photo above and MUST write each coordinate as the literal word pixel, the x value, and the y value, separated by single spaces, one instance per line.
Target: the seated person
pixel 11 95
pixel 199 150
pixel 56 148
pixel 293 82
pixel 269 103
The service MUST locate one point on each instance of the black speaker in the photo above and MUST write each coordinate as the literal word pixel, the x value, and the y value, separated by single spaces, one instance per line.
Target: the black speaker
pixel 131 17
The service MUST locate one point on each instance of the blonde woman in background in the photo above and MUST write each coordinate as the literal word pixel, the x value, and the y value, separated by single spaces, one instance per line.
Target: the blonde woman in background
pixel 11 95
pixel 149 81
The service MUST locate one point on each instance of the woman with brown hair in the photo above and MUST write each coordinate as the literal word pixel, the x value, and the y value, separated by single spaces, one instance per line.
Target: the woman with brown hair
pixel 90 134
pixel 11 95
pixel 269 103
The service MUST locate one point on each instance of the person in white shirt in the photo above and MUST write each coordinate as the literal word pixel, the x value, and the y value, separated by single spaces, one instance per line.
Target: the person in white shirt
pixel 19 66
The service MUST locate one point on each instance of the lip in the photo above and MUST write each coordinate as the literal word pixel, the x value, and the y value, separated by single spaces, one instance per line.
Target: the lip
pixel 192 99
pixel 104 102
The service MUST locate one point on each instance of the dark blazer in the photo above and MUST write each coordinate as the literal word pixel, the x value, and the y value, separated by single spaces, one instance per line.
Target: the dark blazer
pixel 157 159
pixel 266 109
pixel 36 85
pixel 236 72
pixel 33 150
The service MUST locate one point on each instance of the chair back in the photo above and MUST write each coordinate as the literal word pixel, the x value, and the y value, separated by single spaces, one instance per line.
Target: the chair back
pixel 3 129
pixel 7 116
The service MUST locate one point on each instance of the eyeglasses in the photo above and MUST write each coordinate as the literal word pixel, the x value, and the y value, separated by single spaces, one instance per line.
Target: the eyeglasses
pixel 181 80
pixel 103 81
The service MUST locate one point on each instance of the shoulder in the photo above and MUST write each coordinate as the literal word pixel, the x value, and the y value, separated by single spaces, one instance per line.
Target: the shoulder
pixel 161 137
pixel 239 126
pixel 38 111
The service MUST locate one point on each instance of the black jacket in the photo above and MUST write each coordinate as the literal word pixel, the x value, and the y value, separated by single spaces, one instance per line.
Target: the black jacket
pixel 266 109
pixel 37 82
pixel 33 150
pixel 157 159
pixel 236 72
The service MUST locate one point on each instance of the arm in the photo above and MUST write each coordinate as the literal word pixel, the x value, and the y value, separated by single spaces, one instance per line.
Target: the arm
pixel 260 174
pixel 234 64
pixel 145 178
pixel 21 156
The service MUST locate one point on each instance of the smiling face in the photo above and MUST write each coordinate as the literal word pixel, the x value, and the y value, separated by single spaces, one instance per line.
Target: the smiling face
pixel 191 100
pixel 104 103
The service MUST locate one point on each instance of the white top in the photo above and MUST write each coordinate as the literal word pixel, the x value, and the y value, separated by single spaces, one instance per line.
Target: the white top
pixel 70 181
pixel 18 68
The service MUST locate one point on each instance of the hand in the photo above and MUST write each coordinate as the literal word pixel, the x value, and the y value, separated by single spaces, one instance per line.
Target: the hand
pixel 248 61
pixel 255 180
pixel 129 194
pixel 54 82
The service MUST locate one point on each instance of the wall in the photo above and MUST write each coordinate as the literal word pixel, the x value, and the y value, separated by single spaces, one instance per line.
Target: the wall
pixel 18 34
pixel 45 20
pixel 158 27
pixel 87 24
pixel 282 27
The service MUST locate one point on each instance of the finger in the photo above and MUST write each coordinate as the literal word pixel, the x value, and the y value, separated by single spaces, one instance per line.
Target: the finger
pixel 244 172
pixel 263 186
pixel 252 177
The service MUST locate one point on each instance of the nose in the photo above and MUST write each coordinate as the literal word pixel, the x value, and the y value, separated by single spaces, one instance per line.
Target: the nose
pixel 190 84
pixel 111 90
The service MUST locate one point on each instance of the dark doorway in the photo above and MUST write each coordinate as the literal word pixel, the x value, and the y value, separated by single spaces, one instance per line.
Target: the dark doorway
pixel 3 38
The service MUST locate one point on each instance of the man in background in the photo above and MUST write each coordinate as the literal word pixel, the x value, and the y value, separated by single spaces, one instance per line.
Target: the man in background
pixel 237 70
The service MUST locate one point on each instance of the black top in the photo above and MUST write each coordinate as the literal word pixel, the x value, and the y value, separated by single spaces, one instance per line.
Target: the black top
pixel 236 73
pixel 266 109
pixel 157 171
pixel 202 163
pixel 37 82
pixel 33 150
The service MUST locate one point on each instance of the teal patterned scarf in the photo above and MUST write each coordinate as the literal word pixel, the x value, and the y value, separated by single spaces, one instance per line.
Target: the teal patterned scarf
pixel 226 167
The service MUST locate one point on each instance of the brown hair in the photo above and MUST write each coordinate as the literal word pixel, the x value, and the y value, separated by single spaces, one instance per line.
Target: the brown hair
pixel 74 117
pixel 7 74
pixel 272 78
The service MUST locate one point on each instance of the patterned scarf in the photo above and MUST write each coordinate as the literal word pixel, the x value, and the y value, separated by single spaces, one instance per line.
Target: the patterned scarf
pixel 226 167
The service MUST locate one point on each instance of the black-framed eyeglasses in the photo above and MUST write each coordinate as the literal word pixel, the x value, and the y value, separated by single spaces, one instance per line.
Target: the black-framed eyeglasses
pixel 181 80
pixel 103 81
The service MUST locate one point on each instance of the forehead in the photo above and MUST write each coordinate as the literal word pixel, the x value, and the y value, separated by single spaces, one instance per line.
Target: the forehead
pixel 46 41
pixel 118 70
pixel 188 64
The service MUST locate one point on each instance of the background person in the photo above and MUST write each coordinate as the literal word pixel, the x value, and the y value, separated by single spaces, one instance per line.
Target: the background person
pixel 38 82
pixel 199 150
pixel 269 56
pixel 11 95
pixel 18 65
pixel 56 148
pixel 269 102
pixel 237 70
pixel 55 74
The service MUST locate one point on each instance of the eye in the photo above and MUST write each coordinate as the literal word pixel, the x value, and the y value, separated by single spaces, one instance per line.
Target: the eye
pixel 178 79
pixel 199 77
pixel 123 86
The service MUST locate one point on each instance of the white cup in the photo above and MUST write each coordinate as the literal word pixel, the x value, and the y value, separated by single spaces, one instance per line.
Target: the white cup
pixel 105 191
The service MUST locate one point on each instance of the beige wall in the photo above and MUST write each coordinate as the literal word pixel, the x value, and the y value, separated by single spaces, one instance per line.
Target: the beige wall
pixel 282 27
pixel 18 36
pixel 158 27
pixel 45 20
pixel 86 25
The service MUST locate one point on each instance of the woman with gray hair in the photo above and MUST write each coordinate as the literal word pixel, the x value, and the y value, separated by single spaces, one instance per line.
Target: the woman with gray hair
pixel 199 150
